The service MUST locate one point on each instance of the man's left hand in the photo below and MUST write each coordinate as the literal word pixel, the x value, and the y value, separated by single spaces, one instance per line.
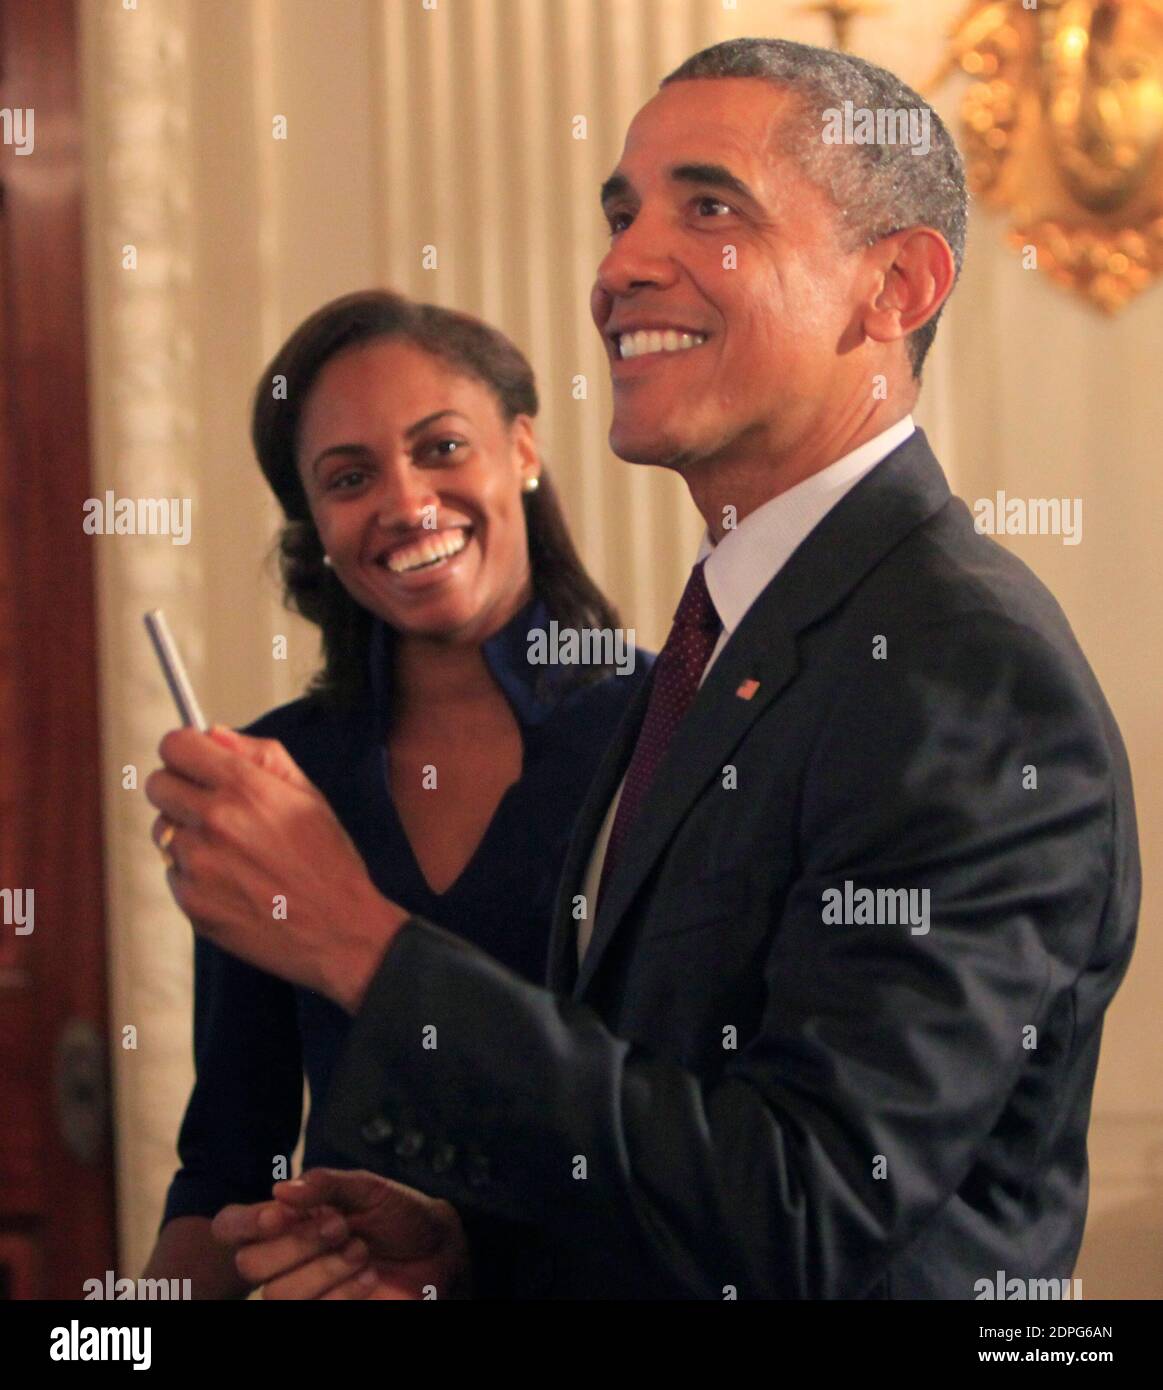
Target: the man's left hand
pixel 262 867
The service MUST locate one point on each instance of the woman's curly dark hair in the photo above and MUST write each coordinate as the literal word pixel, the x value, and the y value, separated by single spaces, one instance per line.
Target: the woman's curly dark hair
pixel 309 586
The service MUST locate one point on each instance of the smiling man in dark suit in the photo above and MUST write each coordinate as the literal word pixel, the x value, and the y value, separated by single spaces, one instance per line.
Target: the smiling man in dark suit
pixel 857 880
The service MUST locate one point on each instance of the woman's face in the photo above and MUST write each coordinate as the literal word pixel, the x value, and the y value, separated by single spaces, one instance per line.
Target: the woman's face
pixel 414 482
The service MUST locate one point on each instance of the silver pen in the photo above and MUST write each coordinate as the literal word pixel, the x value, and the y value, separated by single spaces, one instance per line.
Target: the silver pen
pixel 175 672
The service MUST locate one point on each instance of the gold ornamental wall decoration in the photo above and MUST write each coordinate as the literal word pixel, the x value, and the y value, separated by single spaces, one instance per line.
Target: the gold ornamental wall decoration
pixel 1063 125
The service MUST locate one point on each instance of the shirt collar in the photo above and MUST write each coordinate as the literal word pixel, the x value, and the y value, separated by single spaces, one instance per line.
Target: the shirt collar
pixel 532 691
pixel 749 556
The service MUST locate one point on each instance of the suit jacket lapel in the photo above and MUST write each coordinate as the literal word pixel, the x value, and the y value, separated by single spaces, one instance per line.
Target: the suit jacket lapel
pixel 896 496
pixel 562 966
pixel 714 725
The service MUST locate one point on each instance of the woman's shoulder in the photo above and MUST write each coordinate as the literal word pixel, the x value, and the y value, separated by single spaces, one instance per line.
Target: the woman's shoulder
pixel 303 713
pixel 307 723
pixel 613 692
pixel 322 738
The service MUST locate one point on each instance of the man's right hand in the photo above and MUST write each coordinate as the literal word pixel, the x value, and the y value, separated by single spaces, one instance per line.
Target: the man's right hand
pixel 337 1234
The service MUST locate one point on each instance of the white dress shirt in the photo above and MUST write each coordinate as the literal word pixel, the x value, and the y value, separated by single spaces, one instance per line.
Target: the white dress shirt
pixel 737 571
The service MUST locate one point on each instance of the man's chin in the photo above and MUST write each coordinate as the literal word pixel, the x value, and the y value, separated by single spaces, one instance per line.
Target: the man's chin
pixel 640 446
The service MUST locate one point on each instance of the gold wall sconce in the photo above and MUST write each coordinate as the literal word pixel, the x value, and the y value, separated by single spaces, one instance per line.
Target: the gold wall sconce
pixel 1063 126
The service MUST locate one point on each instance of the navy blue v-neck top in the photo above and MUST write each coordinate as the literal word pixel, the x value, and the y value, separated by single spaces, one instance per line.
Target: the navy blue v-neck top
pixel 255 1036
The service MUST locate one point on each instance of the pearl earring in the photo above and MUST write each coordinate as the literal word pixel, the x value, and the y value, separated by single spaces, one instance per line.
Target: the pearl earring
pixel 531 484
pixel 327 561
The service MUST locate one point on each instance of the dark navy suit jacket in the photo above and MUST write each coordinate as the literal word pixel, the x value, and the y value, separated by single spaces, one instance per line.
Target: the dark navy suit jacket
pixel 738 1092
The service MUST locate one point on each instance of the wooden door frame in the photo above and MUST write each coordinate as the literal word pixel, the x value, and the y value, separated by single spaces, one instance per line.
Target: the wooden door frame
pixel 56 1203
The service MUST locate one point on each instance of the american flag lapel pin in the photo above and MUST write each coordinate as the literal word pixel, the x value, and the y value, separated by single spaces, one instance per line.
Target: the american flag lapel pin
pixel 747 689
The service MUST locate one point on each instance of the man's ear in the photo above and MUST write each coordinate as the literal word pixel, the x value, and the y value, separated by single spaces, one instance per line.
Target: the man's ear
pixel 916 270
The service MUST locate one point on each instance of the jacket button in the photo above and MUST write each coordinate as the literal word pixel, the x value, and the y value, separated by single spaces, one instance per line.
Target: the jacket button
pixel 378 1130
pixel 443 1158
pixel 476 1170
pixel 409 1143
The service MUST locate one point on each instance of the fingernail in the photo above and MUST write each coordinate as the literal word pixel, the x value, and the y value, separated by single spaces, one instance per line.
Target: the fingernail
pixel 355 1252
pixel 269 1220
pixel 366 1278
pixel 334 1228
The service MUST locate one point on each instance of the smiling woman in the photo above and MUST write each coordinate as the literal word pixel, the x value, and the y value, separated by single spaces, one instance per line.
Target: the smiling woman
pixel 424 539
pixel 422 518
pixel 481 396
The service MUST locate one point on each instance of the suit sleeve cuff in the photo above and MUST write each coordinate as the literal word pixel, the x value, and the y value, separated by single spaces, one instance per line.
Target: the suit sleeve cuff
pixel 387 1106
pixel 463 1079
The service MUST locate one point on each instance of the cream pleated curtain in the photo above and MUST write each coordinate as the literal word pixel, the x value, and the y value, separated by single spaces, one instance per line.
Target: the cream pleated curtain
pixel 447 131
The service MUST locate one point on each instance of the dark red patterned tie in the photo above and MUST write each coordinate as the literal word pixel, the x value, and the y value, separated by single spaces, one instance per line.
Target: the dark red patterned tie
pixel 677 673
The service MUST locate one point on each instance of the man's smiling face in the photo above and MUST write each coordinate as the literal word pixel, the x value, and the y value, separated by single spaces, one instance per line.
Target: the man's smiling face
pixel 710 361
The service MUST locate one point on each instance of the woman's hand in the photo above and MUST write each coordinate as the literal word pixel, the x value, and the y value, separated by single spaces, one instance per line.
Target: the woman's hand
pixel 262 867
pixel 335 1234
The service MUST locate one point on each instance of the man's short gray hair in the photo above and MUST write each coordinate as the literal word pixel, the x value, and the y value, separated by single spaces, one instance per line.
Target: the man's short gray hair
pixel 878 188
